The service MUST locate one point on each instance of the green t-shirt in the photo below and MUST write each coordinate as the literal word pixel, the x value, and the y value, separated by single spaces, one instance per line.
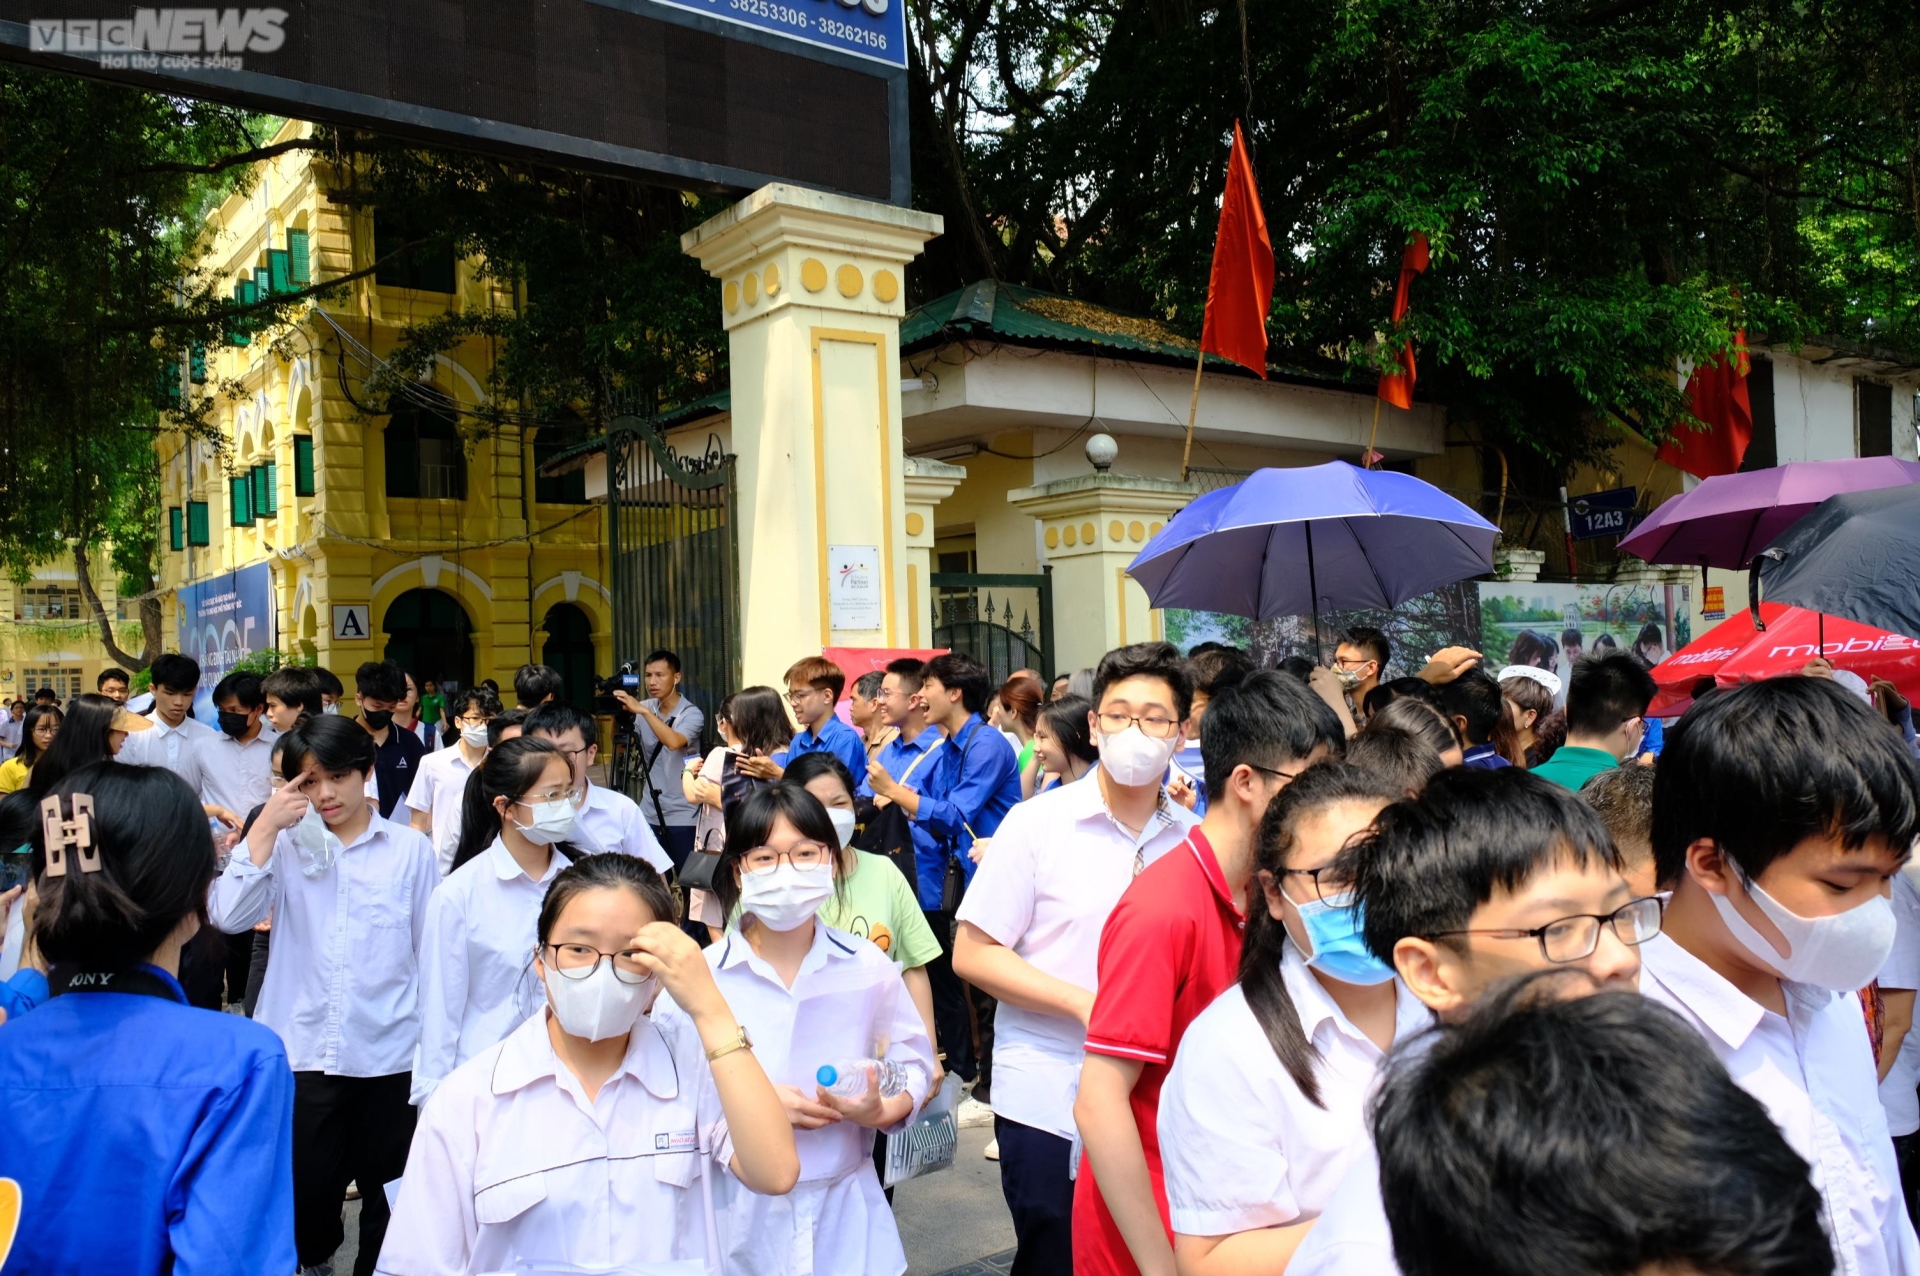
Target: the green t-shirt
pixel 431 706
pixel 1572 767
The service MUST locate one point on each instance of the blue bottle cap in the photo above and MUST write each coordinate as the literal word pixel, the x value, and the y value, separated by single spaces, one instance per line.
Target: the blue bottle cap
pixel 827 1075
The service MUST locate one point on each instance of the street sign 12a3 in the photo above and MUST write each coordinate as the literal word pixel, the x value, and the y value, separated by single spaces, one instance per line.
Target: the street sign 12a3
pixel 1610 513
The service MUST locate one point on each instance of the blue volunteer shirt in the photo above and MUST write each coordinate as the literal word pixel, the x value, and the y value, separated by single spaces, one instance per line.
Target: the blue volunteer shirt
pixel 842 741
pixel 1189 763
pixel 1484 756
pixel 902 755
pixel 146 1137
pixel 978 782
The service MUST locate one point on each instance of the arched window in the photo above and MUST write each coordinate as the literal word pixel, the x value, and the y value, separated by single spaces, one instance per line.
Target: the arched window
pixel 424 454
pixel 430 636
pixel 569 652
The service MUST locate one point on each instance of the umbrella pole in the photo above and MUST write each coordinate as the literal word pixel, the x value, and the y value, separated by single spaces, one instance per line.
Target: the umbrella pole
pixel 1313 596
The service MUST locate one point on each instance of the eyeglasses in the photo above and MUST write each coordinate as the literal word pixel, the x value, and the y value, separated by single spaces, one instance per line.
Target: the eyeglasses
pixel 1574 938
pixel 1333 886
pixel 579 961
pixel 1158 728
pixel 568 794
pixel 474 720
pixel 805 693
pixel 1352 662
pixel 802 855
pixel 571 754
pixel 1278 775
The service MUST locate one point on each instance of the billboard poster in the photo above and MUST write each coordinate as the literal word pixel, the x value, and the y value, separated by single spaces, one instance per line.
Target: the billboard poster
pixel 1547 624
pixel 223 620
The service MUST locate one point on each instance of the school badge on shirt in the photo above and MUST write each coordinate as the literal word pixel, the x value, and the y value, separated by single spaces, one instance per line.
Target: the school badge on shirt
pixel 684 1142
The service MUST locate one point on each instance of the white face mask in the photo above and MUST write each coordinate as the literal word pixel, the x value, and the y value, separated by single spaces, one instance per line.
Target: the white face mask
pixel 1133 758
pixel 318 845
pixel 843 824
pixel 601 1005
pixel 1843 953
pixel 552 822
pixel 474 737
pixel 331 708
pixel 786 897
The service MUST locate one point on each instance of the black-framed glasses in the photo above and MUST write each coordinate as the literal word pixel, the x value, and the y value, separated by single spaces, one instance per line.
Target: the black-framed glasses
pixel 579 961
pixel 1157 728
pixel 1351 662
pixel 802 855
pixel 571 754
pixel 1574 938
pixel 1278 775
pixel 1332 886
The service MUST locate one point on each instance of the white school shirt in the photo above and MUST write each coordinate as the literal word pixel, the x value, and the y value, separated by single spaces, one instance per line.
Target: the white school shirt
pixel 1900 1092
pixel 228 773
pixel 476 961
pixel 611 821
pixel 439 786
pixel 1814 1071
pixel 848 1001
pixel 511 1163
pixel 165 746
pixel 342 988
pixel 1352 1234
pixel 1241 1146
pixel 1058 866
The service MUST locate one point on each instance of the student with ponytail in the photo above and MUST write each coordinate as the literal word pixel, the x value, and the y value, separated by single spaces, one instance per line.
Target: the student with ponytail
pixel 143 1136
pixel 1264 1106
pixel 476 968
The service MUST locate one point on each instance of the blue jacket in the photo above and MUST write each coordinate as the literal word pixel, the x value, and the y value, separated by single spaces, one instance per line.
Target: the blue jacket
pixel 146 1137
pixel 977 784
pixel 842 741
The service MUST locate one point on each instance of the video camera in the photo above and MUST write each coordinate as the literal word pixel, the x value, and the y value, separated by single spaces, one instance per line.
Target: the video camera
pixel 626 678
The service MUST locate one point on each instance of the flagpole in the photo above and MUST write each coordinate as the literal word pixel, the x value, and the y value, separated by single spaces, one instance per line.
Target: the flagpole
pixel 1371 438
pixel 1193 410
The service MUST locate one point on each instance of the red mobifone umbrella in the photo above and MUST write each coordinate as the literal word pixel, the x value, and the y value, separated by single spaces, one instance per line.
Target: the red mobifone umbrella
pixel 1733 652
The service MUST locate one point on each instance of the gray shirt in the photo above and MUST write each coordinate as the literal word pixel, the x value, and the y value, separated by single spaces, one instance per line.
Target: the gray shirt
pixel 687 719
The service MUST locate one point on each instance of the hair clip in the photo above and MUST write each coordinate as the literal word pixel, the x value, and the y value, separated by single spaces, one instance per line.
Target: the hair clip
pixel 74 834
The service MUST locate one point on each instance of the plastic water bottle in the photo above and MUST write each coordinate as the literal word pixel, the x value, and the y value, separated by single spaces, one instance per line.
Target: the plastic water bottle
pixel 848 1077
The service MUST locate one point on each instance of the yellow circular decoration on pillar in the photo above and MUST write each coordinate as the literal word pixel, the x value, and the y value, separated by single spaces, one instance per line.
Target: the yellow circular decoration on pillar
pixel 1087 533
pixel 813 275
pixel 1072 536
pixel 885 285
pixel 849 280
pixel 751 290
pixel 1116 532
pixel 1154 530
pixel 1136 531
pixel 730 296
pixel 773 278
pixel 1053 538
pixel 915 525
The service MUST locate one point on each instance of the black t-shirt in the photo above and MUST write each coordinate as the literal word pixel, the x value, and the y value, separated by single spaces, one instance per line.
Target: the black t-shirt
pixel 394 766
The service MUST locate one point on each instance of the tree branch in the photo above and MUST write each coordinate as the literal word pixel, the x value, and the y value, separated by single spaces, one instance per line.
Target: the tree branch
pixel 150 630
pixel 180 319
pixel 235 160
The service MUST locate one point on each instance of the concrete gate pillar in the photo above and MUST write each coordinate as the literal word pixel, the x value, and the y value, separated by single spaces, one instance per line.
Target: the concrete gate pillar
pixel 812 293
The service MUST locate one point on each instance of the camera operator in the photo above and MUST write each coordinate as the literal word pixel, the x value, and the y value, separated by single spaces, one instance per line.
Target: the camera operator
pixel 666 724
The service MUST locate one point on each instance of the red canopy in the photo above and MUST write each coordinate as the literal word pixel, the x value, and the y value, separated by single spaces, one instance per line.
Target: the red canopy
pixel 1732 652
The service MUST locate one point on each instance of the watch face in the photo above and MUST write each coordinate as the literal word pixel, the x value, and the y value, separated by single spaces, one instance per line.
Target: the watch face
pixel 745 1040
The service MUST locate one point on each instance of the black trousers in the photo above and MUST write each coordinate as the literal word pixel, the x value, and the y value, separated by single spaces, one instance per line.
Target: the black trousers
pixel 1906 1154
pixel 257 969
pixel 203 968
pixel 345 1130
pixel 1033 1178
pixel 951 1018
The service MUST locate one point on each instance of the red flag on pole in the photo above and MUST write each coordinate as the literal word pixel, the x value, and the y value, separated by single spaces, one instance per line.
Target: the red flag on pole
pixel 1397 387
pixel 1717 395
pixel 1241 290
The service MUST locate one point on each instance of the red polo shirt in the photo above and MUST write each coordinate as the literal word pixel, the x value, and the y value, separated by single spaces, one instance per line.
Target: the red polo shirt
pixel 1170 946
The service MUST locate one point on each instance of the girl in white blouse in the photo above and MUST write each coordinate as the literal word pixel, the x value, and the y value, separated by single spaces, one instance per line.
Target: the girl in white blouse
pixel 1263 1109
pixel 587 1140
pixel 476 962
pixel 812 996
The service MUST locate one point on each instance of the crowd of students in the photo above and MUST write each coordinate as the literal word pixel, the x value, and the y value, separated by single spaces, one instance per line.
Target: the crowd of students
pixel 1300 969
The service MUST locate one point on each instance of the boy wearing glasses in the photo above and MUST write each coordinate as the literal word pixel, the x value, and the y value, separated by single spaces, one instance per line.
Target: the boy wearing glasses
pixel 439 789
pixel 813 689
pixel 1029 931
pixel 1171 946
pixel 1486 876
pixel 1781 810
pixel 604 819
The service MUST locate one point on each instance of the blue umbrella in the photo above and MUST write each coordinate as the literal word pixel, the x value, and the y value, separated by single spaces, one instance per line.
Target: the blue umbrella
pixel 1289 542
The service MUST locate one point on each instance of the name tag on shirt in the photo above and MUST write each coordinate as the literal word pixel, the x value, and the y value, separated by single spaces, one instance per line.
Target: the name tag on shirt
pixel 684 1142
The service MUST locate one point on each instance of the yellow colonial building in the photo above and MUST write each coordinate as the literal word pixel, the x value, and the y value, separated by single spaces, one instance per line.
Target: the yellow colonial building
pixel 48 637
pixel 340 525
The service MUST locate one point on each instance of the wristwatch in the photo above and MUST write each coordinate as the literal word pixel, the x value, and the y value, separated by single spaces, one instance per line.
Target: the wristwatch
pixel 740 1042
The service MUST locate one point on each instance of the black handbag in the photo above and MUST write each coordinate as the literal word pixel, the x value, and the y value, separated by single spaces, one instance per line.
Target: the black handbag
pixel 735 787
pixel 888 831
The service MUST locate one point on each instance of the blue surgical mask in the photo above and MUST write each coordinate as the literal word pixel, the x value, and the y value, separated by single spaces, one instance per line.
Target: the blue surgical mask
pixel 1334 943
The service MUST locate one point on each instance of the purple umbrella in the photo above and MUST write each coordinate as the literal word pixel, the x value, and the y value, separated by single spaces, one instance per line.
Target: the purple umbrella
pixel 1729 518
pixel 1289 542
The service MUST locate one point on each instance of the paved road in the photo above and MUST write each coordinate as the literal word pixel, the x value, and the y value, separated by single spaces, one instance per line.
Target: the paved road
pixel 955 1219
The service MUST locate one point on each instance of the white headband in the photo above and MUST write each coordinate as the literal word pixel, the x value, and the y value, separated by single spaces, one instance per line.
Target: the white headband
pixel 1547 679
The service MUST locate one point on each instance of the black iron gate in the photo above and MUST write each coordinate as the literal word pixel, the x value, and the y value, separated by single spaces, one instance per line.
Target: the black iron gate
pixel 675 560
pixel 1005 621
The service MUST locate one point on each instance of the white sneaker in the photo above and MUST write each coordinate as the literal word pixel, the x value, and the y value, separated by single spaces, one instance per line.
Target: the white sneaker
pixel 973 1114
pixel 993 1150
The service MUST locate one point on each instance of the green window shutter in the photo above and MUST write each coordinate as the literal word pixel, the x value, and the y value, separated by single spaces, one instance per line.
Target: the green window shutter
pixel 240 496
pixel 176 529
pixel 303 465
pixel 166 390
pixel 272 505
pixel 298 269
pixel 198 531
pixel 197 364
pixel 237 334
pixel 279 270
pixel 264 504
